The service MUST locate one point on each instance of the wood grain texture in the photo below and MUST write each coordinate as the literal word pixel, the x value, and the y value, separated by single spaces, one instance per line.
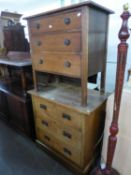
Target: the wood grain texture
pixel 66 126
pixel 81 131
pixel 79 37
pixel 121 64
pixel 92 132
pixel 56 22
pixel 21 114
pixel 58 63
pixel 69 96
pixel 65 134
pixel 84 68
pixel 56 42
pixel 71 118
pixel 34 76
pixel 62 148
pixel 97 41
pixel 66 122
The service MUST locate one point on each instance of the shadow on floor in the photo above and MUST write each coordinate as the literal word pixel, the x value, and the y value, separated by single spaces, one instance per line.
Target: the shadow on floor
pixel 20 156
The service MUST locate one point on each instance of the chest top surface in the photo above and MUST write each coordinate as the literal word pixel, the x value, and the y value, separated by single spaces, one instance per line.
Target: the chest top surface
pixel 70 96
pixel 71 7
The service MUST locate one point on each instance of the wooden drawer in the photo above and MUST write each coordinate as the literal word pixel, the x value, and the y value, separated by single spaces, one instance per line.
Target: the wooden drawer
pixel 66 21
pixel 50 121
pixel 64 42
pixel 68 117
pixel 63 133
pixel 66 64
pixel 69 135
pixel 43 107
pixel 45 137
pixel 69 152
pixel 63 115
pixel 45 123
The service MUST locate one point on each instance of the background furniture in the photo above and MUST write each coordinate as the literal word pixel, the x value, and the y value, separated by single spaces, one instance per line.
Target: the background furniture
pixel 4 112
pixel 16 76
pixel 14 38
pixel 66 44
pixel 15 103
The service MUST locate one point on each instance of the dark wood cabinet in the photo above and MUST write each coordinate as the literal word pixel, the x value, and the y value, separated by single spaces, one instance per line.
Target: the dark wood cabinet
pixel 21 116
pixel 15 103
pixel 14 38
pixel 4 112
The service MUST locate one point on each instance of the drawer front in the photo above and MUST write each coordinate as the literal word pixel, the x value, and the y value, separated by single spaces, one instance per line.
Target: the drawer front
pixel 67 21
pixel 63 133
pixel 66 64
pixel 45 123
pixel 45 137
pixel 69 118
pixel 65 42
pixel 69 136
pixel 42 107
pixel 63 116
pixel 58 125
pixel 68 151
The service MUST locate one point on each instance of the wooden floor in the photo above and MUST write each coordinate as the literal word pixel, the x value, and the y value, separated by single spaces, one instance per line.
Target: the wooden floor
pixel 20 156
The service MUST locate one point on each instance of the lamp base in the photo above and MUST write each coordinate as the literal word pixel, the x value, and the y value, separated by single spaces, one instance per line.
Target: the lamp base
pixel 99 171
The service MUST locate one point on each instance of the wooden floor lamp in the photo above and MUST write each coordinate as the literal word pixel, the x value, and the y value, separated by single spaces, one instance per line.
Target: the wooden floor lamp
pixel 121 63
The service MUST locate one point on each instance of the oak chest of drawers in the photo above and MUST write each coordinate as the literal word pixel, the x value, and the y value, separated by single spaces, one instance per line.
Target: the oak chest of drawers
pixel 70 41
pixel 68 45
pixel 66 127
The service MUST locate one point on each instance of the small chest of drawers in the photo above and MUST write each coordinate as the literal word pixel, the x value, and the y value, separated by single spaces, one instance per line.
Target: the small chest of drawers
pixel 71 42
pixel 70 131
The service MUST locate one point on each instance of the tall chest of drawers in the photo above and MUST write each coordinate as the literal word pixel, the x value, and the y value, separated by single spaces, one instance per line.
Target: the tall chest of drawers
pixel 68 45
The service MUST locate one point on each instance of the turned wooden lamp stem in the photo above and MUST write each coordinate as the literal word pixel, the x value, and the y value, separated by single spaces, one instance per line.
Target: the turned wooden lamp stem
pixel 121 64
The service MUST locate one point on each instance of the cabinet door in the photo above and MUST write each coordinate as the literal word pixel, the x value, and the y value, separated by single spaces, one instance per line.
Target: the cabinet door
pixel 3 106
pixel 16 110
pixel 21 116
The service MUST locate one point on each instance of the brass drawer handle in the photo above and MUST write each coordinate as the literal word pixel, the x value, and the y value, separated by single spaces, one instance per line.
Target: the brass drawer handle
pixel 67 42
pixel 47 138
pixel 37 26
pixel 67 64
pixel 67 151
pixel 66 134
pixel 41 61
pixel 45 123
pixel 67 21
pixel 39 43
pixel 66 116
pixel 42 106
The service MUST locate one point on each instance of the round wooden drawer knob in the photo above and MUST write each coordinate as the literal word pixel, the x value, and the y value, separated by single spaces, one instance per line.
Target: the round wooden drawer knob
pixel 67 21
pixel 37 26
pixel 67 42
pixel 39 43
pixel 67 64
